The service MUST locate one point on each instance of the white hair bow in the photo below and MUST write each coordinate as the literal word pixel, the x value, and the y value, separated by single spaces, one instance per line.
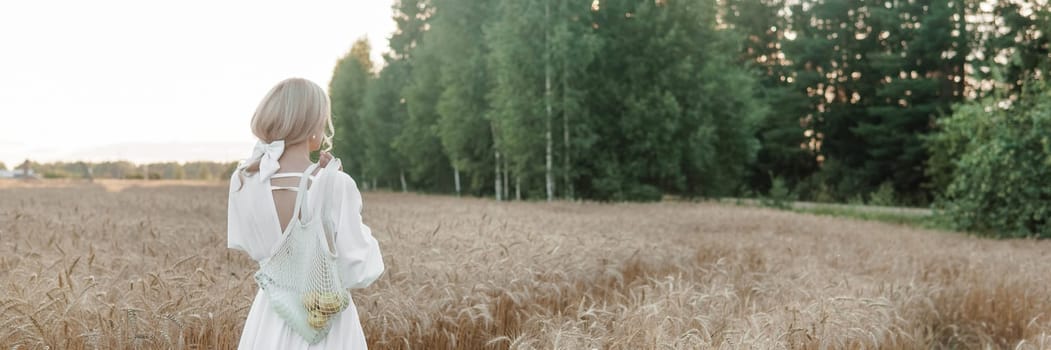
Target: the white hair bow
pixel 267 154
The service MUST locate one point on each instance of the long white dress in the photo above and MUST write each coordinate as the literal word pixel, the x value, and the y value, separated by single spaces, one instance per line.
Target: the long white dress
pixel 253 227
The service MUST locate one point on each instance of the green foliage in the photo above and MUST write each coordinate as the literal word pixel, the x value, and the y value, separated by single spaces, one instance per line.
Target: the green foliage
pixel 517 95
pixel 783 131
pixel 55 175
pixel 815 189
pixel 861 213
pixel 679 114
pixel 875 83
pixel 398 149
pixel 411 18
pixel 1016 51
pixel 857 199
pixel 634 100
pixel 427 167
pixel 202 173
pixel 883 196
pixel 458 44
pixel 383 117
pixel 347 89
pixel 780 195
pixel 999 182
pixel 128 170
pixel 539 56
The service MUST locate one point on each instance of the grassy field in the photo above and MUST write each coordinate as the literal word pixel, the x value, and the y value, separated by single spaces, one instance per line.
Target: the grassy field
pixel 915 217
pixel 126 265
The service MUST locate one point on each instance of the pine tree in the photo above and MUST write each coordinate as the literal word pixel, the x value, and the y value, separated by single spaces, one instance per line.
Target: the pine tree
pixel 786 140
pixel 921 67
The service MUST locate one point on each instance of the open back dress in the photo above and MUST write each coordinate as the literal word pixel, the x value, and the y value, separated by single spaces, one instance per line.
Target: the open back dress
pixel 253 226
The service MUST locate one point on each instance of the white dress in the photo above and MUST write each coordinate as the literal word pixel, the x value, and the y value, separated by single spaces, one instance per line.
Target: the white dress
pixel 253 227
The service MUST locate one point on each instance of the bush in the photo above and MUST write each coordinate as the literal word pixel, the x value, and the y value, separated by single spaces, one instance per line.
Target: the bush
pixel 883 196
pixel 55 175
pixel 857 199
pixel 780 196
pixel 1000 181
pixel 643 193
pixel 814 189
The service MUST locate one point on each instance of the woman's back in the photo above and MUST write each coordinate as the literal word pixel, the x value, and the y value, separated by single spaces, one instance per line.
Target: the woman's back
pixel 283 186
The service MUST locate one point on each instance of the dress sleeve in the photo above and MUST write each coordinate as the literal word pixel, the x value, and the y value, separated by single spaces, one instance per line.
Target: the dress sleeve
pixel 235 236
pixel 357 250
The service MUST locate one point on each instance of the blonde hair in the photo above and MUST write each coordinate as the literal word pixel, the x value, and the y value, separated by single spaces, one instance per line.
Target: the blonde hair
pixel 294 111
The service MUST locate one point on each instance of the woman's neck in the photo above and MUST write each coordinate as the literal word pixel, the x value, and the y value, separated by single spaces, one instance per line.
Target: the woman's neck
pixel 295 157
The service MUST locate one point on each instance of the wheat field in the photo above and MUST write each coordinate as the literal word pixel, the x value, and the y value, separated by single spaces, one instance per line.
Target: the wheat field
pixel 130 265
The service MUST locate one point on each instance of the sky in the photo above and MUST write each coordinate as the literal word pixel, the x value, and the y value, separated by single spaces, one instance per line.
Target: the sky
pixel 150 81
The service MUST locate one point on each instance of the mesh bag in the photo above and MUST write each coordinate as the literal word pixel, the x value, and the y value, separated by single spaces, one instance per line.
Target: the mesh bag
pixel 300 278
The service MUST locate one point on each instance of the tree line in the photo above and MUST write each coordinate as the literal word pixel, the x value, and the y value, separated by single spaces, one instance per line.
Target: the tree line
pixel 127 170
pixel 633 100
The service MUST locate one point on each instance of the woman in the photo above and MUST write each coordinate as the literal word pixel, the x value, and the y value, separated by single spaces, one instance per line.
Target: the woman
pixel 293 120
